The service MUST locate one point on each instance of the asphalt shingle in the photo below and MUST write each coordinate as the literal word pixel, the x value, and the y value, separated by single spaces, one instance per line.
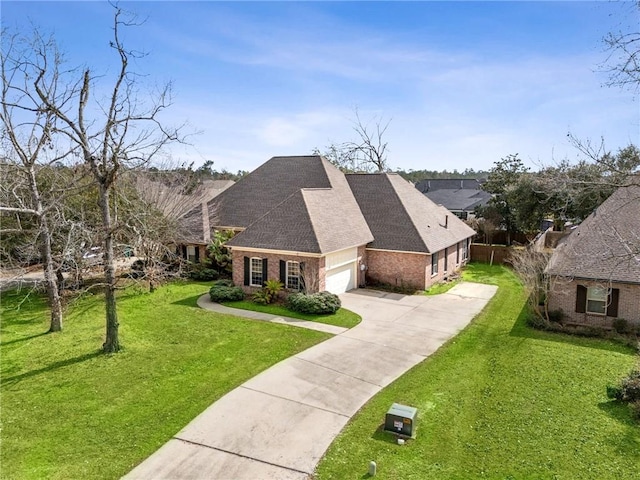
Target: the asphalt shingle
pixel 606 245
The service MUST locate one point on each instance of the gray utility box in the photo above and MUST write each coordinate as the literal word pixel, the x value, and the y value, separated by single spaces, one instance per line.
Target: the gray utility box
pixel 401 420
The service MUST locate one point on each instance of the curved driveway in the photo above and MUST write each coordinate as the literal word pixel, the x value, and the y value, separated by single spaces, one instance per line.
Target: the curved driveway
pixel 279 424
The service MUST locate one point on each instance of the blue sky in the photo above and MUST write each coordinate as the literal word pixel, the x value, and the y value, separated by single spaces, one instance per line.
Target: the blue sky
pixel 462 83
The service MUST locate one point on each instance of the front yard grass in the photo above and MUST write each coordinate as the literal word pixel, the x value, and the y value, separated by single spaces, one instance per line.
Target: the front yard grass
pixel 69 412
pixel 342 318
pixel 500 401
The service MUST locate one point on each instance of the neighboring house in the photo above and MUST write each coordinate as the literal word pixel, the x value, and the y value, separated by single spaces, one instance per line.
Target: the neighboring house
pixel 595 271
pixel 460 196
pixel 302 221
pixel 195 231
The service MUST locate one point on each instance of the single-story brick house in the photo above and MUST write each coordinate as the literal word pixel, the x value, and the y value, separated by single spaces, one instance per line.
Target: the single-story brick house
pixel 595 271
pixel 304 222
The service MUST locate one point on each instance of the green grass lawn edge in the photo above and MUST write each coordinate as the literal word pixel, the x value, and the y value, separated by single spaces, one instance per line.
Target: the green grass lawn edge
pixel 69 412
pixel 500 401
pixel 342 318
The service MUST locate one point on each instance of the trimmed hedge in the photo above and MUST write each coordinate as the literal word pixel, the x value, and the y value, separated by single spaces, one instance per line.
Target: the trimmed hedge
pixel 315 303
pixel 225 291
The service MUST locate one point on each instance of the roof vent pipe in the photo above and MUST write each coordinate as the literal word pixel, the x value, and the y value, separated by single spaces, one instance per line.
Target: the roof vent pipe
pixel 446 221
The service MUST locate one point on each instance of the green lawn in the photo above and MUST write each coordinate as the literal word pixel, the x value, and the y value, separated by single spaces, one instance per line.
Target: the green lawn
pixel 442 287
pixel 500 401
pixel 71 413
pixel 342 318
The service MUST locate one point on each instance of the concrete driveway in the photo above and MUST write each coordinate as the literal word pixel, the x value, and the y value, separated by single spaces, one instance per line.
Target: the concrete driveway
pixel 279 424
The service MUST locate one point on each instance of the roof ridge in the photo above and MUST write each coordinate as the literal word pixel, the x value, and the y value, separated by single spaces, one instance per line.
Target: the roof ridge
pixel 311 222
pixel 404 208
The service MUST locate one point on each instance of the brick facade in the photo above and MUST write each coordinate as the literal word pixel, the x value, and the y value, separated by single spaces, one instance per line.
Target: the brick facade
pixel 397 268
pixel 273 267
pixel 382 266
pixel 563 297
pixel 411 269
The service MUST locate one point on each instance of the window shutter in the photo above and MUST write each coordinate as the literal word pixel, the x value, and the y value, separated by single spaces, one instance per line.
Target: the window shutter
pixel 264 271
pixel 197 253
pixel 247 272
pixel 283 272
pixel 581 299
pixel 184 252
pixel 612 302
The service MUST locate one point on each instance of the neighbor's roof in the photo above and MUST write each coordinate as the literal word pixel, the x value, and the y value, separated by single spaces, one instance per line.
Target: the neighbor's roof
pixel 401 218
pixel 433 184
pixel 606 245
pixel 311 219
pixel 461 199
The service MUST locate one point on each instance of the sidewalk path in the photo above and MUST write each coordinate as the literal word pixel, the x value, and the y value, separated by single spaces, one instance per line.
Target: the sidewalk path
pixel 205 302
pixel 279 424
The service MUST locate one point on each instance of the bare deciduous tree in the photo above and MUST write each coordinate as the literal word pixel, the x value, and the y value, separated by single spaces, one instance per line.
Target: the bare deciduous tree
pixel 368 153
pixel 623 47
pixel 529 264
pixel 28 131
pixel 110 138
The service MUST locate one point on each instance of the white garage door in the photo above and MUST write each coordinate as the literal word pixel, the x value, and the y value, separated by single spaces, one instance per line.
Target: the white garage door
pixel 341 279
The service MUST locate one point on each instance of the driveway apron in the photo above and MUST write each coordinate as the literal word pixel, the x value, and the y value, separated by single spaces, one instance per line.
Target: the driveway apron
pixel 279 424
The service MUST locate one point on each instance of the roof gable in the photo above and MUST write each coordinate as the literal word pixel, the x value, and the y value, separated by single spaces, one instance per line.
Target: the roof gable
pixel 401 218
pixel 606 245
pixel 266 187
pixel 313 220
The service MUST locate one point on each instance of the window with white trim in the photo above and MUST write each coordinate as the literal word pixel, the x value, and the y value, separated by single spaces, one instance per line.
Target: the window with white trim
pixel 255 272
pixel 191 253
pixel 293 275
pixel 597 300
pixel 465 250
pixel 434 263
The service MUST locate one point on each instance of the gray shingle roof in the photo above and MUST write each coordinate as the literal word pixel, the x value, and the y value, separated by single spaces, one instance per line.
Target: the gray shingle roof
pixel 266 187
pixel 433 184
pixel 606 245
pixel 313 220
pixel 401 218
pixel 305 204
pixel 460 199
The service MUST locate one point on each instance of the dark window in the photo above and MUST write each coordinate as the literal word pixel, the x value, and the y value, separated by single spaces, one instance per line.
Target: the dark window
pixel 255 274
pixel 434 263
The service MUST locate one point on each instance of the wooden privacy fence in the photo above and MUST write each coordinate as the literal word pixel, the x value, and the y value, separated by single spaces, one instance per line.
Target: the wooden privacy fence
pixel 497 254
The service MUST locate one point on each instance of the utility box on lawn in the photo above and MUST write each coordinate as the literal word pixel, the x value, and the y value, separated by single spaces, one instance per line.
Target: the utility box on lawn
pixel 401 420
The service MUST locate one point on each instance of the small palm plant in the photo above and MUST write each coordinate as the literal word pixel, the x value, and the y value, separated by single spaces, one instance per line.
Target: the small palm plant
pixel 268 293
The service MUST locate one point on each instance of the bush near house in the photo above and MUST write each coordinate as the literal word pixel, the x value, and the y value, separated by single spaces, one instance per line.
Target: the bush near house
pixel 225 291
pixel 268 293
pixel 628 391
pixel 314 303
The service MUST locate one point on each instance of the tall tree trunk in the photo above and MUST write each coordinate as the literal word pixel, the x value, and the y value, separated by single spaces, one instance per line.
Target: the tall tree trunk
pixel 51 282
pixel 111 343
